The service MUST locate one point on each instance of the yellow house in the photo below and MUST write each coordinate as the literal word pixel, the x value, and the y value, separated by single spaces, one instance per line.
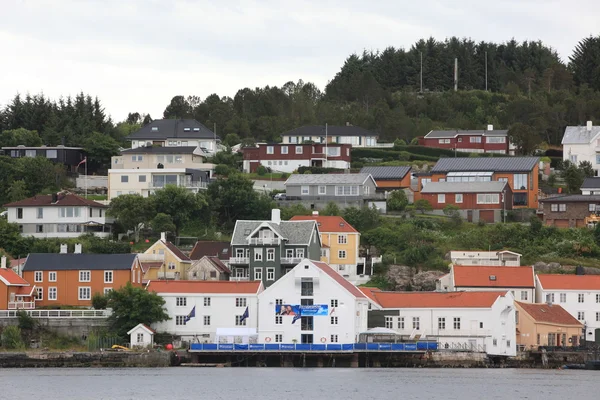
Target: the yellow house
pixel 545 325
pixel 163 260
pixel 340 243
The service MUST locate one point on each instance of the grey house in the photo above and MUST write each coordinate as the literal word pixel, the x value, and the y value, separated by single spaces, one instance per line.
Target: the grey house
pixel 266 250
pixel 339 188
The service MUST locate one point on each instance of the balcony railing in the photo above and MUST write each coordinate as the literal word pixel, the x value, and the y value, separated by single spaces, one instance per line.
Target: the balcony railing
pixel 239 260
pixel 151 257
pixel 168 275
pixel 200 185
pixel 264 241
pixel 58 313
pixel 240 278
pixel 21 305
pixel 291 260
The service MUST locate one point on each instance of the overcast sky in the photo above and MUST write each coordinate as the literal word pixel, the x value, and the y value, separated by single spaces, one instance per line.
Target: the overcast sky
pixel 135 55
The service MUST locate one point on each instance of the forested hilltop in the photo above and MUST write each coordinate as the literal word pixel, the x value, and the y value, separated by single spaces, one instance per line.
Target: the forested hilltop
pixel 530 90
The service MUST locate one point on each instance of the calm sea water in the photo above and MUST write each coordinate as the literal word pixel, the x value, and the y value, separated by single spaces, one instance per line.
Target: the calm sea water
pixel 292 384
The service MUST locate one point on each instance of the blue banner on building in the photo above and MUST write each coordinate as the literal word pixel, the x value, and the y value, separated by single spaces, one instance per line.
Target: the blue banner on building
pixel 305 311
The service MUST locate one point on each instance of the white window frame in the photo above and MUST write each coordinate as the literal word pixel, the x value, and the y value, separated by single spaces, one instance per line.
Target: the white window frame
pixel 488 198
pixel 304 190
pixel 86 296
pixel 52 276
pixel 85 276
pixel 562 208
pixel 524 295
pixel 38 276
pixel 334 338
pixel 258 274
pixel 580 315
pixel 334 303
pixel 580 298
pixel 458 198
pixel 107 290
pixel 206 320
pixel 52 290
pixel 389 322
pixel 456 323
pixel 207 302
pixel 278 338
pixel 180 301
pixel 322 189
pixel 554 207
pixel 334 320
pixel 270 150
pixel 270 274
pixel 342 239
pixel 416 323
pixel 180 320
pixel 39 293
pixel 108 276
pixel 563 297
pixel 342 254
pixel 298 149
pixel 258 254
pixel 241 301
pixel 400 323
pixel 284 149
pixel 441 198
pixel 239 322
pixel 270 254
pixel 441 323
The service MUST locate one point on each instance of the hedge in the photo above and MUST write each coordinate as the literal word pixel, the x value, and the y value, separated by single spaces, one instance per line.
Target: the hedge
pixel 319 170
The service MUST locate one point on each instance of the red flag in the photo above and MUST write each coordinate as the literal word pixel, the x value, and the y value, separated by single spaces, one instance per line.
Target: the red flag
pixel 82 162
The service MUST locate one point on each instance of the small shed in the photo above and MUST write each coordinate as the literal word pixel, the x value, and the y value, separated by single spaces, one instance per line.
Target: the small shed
pixel 141 336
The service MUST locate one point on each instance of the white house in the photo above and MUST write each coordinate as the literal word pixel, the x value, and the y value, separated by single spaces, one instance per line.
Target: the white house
pixel 312 303
pixel 590 186
pixel 141 336
pixel 476 321
pixel 348 134
pixel 199 308
pixel 145 181
pixel 578 294
pixel 497 258
pixel 582 143
pixel 175 133
pixel 59 215
pixel 520 281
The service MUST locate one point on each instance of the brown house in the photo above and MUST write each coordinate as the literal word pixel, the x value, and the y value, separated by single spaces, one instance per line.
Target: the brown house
pixel 477 201
pixel 15 292
pixel 389 178
pixel 221 250
pixel 521 174
pixel 545 325
pixel 571 211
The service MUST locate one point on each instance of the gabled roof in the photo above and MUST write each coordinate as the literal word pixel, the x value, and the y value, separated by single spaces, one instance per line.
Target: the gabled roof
pixel 63 200
pixel 478 164
pixel 569 282
pixel 173 128
pixel 464 187
pixel 454 133
pixel 550 314
pixel 211 248
pixel 329 224
pixel 26 291
pixel 10 278
pixel 142 326
pixel 78 262
pixel 386 173
pixel 579 134
pixel 199 287
pixel 332 130
pixel 591 183
pixel 476 276
pixel 296 232
pixel 395 300
pixel 146 265
pixel 328 179
pixel 572 198
pixel 339 279
pixel 175 250
pixel 219 264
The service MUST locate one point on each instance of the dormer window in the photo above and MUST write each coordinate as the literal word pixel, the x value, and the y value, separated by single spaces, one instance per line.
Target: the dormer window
pixel 155 129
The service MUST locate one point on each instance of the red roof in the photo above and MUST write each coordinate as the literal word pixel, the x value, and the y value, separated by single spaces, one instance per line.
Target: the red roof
pixel 435 299
pixel 339 279
pixel 370 292
pixel 211 248
pixel 25 291
pixel 550 314
pixel 327 223
pixel 175 250
pixel 10 278
pixel 219 265
pixel 250 287
pixel 569 282
pixel 501 277
pixel 64 199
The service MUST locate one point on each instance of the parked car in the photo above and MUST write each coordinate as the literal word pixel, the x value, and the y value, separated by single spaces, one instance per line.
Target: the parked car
pixel 279 196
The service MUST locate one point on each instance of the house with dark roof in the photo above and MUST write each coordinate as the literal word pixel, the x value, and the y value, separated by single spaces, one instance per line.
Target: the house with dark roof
pixel 59 215
pixel 348 134
pixel 542 324
pixel 571 210
pixel 210 248
pixel 208 268
pixel 70 157
pixel 153 157
pixel 175 133
pixel 488 140
pixel 164 260
pixel 267 250
pixel 71 279
pixel 582 143
pixel 477 201
pixel 389 178
pixel 480 321
pixel 591 185
pixel 521 174
pixel 15 292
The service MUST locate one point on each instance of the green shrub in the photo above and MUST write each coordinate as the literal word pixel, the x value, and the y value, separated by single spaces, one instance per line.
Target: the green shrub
pixel 397 201
pixel 261 170
pixel 99 301
pixel 222 170
pixel 26 322
pixel 423 205
pixel 11 338
pixel 318 170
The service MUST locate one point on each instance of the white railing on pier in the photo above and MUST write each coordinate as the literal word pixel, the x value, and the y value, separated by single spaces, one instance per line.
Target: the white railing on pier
pixel 21 305
pixel 57 313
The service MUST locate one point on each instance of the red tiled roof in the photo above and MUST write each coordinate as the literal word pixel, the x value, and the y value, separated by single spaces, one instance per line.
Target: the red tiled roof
pixel 327 223
pixel 370 292
pixel 175 250
pixel 10 278
pixel 64 199
pixel 436 299
pixel 219 265
pixel 551 314
pixel 25 291
pixel 203 287
pixel 339 279
pixel 211 248
pixel 505 277
pixel 569 282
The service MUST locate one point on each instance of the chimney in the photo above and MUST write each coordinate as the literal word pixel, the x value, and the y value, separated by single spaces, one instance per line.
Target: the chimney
pixel 64 249
pixel 54 198
pixel 163 236
pixel 3 262
pixel 589 126
pixel 490 127
pixel 315 213
pixel 276 216
pixel 77 248
pixel 579 270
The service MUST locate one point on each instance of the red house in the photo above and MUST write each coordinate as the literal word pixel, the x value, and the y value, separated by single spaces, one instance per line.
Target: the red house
pixel 470 141
pixel 477 201
pixel 289 157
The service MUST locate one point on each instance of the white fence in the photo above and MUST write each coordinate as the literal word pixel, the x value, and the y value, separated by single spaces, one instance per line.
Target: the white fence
pixel 57 313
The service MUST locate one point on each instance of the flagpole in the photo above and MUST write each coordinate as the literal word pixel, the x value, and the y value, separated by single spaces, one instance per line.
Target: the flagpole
pixel 86 182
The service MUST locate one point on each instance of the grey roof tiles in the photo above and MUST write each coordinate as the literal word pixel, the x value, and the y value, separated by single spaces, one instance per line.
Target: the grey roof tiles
pixel 481 164
pixel 386 173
